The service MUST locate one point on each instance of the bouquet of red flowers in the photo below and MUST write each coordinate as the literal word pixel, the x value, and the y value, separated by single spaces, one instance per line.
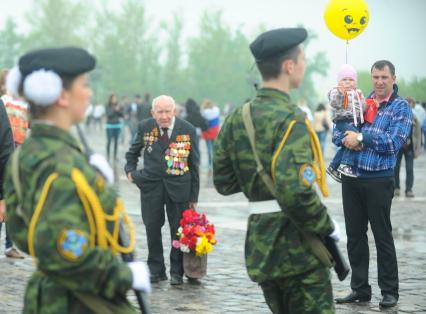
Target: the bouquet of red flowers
pixel 195 233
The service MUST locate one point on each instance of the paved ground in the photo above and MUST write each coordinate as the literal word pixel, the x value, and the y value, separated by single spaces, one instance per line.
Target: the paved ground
pixel 226 288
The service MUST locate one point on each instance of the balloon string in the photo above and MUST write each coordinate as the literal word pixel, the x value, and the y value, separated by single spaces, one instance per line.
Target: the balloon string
pixel 347 46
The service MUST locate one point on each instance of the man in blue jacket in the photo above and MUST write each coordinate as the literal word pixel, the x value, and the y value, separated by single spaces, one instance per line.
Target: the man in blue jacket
pixel 368 197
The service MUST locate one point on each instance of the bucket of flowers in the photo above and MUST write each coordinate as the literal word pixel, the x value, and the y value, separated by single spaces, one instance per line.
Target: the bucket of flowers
pixel 196 238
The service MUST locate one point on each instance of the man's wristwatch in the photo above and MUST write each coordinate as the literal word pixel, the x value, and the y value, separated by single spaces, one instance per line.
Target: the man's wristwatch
pixel 359 138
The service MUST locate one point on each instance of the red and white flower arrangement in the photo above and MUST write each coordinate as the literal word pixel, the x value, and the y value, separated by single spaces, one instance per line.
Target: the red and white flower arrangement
pixel 195 233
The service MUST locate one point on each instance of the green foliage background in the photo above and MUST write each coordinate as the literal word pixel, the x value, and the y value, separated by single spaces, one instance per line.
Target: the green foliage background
pixel 137 54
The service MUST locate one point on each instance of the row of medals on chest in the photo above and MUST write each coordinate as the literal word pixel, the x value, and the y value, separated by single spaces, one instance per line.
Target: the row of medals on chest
pixel 150 138
pixel 177 153
pixel 177 157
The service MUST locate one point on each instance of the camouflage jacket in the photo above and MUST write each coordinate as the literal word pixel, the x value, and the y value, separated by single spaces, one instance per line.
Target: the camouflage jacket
pixel 274 248
pixel 66 263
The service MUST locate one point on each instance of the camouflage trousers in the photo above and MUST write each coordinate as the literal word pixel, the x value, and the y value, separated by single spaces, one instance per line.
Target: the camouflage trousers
pixel 308 293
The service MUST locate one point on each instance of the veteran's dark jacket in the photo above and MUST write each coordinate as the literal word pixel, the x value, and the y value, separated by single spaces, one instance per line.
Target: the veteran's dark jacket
pixel 179 174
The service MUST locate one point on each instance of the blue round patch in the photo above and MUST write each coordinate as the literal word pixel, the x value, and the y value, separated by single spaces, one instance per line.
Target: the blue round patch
pixel 72 244
pixel 307 175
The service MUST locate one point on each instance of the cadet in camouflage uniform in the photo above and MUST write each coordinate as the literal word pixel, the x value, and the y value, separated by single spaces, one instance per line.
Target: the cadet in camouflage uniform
pixel 293 280
pixel 60 209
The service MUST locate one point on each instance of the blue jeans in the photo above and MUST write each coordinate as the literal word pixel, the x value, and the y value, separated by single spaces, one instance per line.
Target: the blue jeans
pixel 210 148
pixel 8 241
pixel 112 135
pixel 343 155
pixel 321 137
pixel 409 165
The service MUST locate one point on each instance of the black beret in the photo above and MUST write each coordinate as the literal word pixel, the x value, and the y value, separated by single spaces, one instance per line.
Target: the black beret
pixel 276 42
pixel 67 61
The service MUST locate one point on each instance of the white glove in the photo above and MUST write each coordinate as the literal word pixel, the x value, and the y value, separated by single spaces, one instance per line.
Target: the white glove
pixel 335 235
pixel 101 164
pixel 140 274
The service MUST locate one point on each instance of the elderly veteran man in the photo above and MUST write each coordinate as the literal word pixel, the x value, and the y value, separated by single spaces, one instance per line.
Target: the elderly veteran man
pixel 169 178
pixel 292 278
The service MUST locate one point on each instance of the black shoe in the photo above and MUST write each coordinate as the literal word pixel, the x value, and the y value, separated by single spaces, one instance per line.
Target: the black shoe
pixel 409 194
pixel 354 297
pixel 193 281
pixel 176 280
pixel 158 278
pixel 388 300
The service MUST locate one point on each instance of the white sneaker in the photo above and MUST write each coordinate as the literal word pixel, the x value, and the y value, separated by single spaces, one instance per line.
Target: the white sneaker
pixel 337 176
pixel 346 170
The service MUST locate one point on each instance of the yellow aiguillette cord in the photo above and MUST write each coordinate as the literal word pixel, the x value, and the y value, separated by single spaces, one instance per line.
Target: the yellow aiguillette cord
pixel 319 161
pixel 37 212
pixel 100 217
pixel 318 166
pixel 95 215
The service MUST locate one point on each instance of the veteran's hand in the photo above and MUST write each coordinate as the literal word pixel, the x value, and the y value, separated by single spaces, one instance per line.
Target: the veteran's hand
pixel 129 176
pixel 192 205
pixel 2 211
pixel 350 140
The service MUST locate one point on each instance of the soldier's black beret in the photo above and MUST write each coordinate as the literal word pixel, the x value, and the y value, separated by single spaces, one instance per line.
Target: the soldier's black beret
pixel 67 61
pixel 276 42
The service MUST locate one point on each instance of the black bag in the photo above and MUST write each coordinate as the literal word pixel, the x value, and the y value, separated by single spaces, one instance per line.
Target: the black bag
pixel 340 265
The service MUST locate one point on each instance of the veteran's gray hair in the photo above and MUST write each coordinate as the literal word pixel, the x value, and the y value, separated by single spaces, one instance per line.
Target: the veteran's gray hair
pixel 162 99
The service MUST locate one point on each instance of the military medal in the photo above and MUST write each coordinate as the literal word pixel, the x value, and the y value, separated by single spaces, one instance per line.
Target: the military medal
pixel 149 149
pixel 176 155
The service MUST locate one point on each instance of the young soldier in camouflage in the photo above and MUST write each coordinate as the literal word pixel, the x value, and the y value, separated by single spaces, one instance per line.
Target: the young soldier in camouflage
pixel 293 280
pixel 60 209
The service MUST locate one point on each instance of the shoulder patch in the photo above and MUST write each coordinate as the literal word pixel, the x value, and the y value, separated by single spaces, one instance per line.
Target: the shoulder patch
pixel 307 175
pixel 72 243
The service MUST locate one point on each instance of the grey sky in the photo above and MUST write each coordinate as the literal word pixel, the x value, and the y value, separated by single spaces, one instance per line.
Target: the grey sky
pixel 394 32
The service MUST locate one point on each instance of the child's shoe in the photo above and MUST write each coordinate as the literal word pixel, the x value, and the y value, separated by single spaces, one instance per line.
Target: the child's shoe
pixel 346 171
pixel 334 174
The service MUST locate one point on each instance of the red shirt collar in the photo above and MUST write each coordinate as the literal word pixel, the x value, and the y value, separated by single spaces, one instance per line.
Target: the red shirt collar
pixel 384 100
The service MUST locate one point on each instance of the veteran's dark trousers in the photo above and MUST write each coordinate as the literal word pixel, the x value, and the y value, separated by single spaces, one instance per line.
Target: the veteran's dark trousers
pixel 370 200
pixel 153 217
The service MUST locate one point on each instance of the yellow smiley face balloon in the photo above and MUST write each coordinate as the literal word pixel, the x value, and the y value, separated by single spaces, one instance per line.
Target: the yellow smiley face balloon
pixel 346 18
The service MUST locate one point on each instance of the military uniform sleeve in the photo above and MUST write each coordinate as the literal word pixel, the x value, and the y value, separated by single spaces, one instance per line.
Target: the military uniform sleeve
pixel 16 225
pixel 134 151
pixel 224 178
pixel 61 244
pixel 194 167
pixel 294 178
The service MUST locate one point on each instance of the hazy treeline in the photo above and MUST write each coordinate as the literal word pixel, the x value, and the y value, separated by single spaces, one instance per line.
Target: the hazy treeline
pixel 138 54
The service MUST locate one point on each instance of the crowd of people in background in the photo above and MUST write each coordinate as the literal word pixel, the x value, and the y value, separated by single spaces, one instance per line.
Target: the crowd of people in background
pixel 120 120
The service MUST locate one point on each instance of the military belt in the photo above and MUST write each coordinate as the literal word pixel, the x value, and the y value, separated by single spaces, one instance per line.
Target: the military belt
pixel 264 207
